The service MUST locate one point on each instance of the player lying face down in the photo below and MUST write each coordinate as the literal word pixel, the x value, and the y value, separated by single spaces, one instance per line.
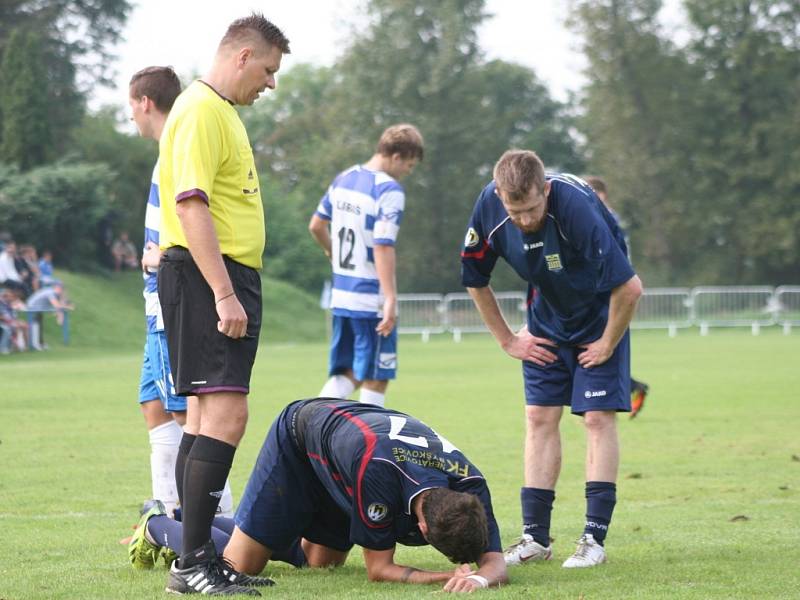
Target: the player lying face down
pixel 335 473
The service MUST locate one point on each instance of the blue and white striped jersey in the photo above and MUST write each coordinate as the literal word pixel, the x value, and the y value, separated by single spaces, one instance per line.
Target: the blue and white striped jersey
pixel 365 209
pixel 152 223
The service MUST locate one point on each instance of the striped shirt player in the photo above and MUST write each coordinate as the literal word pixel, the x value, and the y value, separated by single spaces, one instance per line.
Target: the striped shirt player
pixel 556 234
pixel 357 223
pixel 156 377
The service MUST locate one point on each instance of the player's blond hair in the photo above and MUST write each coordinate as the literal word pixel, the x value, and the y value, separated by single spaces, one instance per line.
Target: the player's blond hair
pixel 403 139
pixel 518 172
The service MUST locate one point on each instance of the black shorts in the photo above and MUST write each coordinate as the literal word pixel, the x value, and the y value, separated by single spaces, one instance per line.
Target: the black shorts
pixel 203 360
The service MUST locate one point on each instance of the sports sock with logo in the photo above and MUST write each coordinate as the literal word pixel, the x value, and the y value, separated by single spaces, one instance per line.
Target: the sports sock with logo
pixel 180 462
pixel 164 442
pixel 537 505
pixel 168 532
pixel 601 496
pixel 207 468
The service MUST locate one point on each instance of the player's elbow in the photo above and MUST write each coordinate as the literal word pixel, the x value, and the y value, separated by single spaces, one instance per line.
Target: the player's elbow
pixel 634 288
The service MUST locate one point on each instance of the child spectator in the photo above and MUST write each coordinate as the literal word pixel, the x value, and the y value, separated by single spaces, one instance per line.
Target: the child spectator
pixel 46 276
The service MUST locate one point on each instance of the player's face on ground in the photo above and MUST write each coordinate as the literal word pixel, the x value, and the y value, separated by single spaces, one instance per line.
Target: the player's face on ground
pixel 139 116
pixel 257 69
pixel 399 167
pixel 529 212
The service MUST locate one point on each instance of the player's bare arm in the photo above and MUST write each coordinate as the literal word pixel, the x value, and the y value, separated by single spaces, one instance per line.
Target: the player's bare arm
pixel 621 309
pixel 201 238
pixel 381 567
pixel 491 573
pixel 522 345
pixel 385 260
pixel 318 228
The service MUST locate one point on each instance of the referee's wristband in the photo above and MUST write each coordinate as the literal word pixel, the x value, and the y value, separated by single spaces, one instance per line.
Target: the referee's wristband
pixel 480 580
pixel 224 297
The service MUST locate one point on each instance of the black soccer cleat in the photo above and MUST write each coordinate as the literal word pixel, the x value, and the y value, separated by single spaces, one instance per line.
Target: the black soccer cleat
pixel 209 575
pixel 251 581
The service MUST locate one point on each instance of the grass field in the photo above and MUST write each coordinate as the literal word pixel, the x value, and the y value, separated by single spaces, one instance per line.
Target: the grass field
pixel 709 486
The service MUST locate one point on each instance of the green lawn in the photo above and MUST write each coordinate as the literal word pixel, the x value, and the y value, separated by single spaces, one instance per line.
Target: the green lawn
pixel 709 489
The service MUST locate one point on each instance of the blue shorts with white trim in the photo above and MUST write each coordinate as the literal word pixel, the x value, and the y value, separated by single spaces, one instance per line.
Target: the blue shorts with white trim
pixel 156 379
pixel 356 345
pixel 565 383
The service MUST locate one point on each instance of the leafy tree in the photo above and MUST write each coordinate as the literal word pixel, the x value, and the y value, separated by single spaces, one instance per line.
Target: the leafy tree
pixel 748 53
pixel 697 141
pixel 129 158
pixel 73 41
pixel 27 136
pixel 57 205
pixel 417 62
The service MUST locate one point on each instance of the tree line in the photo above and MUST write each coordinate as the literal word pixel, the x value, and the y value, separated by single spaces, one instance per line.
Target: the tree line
pixel 696 139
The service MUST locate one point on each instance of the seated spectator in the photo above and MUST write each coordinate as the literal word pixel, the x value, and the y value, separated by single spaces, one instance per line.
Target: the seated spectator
pixel 47 299
pixel 46 276
pixel 27 263
pixel 13 331
pixel 124 253
pixel 9 276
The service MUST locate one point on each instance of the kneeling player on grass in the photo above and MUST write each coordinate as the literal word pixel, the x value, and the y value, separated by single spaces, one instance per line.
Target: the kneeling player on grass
pixel 334 473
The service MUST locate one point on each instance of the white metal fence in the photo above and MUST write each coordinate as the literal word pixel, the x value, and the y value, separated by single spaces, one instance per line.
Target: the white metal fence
pixel 659 308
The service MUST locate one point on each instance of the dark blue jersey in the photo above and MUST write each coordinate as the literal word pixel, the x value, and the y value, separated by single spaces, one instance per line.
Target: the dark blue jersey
pixel 375 461
pixel 571 264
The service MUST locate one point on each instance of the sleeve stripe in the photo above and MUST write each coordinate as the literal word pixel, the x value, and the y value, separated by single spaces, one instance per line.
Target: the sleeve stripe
pixel 478 254
pixel 192 193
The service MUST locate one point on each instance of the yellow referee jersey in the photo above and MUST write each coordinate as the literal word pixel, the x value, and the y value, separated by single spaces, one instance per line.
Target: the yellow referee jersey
pixel 205 152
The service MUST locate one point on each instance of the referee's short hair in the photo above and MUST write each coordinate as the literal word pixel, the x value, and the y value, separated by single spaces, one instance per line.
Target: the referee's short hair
pixel 160 84
pixel 255 26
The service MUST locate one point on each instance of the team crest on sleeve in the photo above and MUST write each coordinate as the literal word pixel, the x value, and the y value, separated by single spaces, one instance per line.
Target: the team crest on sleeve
pixel 377 512
pixel 472 238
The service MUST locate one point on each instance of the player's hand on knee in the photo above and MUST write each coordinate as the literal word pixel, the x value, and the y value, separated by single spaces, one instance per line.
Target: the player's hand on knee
pixel 232 318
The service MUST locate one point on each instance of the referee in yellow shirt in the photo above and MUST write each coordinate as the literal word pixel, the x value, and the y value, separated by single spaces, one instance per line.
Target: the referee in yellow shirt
pixel 212 234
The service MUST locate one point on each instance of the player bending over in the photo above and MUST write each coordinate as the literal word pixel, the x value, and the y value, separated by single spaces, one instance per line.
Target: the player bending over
pixel 334 473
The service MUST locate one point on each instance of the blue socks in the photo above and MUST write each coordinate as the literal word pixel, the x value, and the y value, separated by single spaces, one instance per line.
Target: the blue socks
pixel 601 496
pixel 537 504
pixel 168 532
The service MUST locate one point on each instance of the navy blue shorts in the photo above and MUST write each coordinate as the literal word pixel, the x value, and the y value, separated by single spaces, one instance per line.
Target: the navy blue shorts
pixel 356 345
pixel 566 383
pixel 284 499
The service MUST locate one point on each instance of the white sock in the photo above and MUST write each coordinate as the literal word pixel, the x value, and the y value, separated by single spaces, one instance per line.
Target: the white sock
pixel 164 441
pixel 337 386
pixel 225 507
pixel 370 397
